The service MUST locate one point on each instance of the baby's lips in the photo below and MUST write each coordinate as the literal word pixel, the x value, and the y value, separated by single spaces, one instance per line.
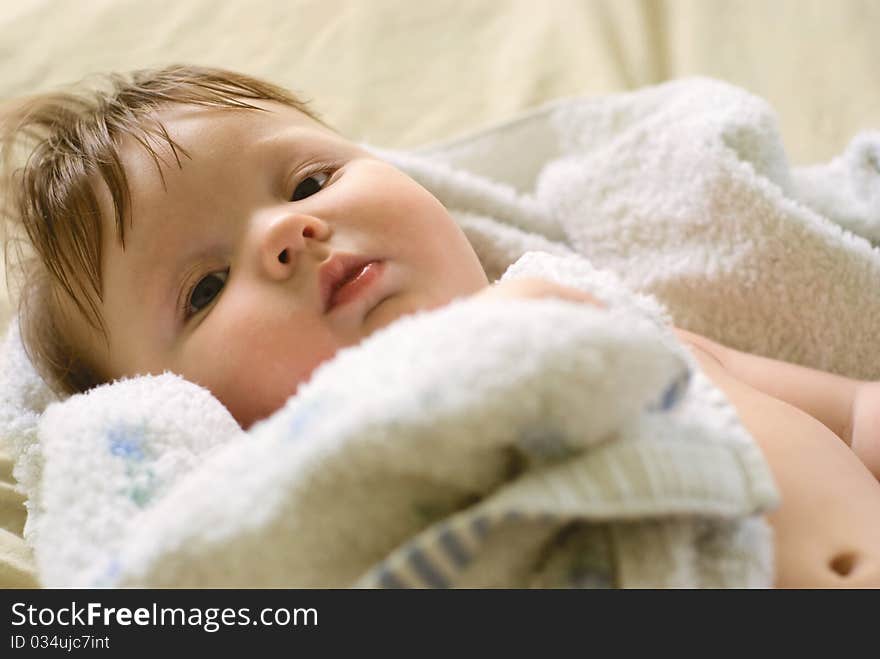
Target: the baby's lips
pixel 335 271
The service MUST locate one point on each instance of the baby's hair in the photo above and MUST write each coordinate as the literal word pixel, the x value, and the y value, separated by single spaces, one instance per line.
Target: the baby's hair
pixel 56 147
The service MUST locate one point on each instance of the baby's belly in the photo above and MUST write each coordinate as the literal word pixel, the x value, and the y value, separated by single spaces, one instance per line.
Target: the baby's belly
pixel 827 528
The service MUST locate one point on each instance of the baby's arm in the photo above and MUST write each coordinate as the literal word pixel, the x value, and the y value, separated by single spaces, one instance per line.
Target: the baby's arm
pixel 824 396
pixel 849 408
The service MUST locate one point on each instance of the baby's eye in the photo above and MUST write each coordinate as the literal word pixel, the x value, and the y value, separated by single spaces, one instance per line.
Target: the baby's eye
pixel 204 292
pixel 310 185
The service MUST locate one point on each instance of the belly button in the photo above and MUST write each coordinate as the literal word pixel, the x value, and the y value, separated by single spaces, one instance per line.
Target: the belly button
pixel 843 564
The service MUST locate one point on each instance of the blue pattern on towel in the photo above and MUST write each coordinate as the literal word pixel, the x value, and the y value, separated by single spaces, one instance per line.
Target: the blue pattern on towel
pixel 673 393
pixel 128 443
pixel 305 414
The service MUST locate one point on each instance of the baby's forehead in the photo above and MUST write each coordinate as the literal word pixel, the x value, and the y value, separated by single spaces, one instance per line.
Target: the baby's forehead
pixel 191 126
pixel 178 141
pixel 166 141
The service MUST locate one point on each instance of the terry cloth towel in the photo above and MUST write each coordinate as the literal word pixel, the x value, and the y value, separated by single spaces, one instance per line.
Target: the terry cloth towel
pixel 500 444
pixel 504 443
pixel 684 191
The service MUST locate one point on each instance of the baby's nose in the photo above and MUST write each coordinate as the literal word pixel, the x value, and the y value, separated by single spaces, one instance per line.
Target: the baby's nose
pixel 284 238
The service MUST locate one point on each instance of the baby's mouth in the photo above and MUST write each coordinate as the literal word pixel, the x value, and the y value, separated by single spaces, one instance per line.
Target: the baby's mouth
pixel 344 276
pixel 355 283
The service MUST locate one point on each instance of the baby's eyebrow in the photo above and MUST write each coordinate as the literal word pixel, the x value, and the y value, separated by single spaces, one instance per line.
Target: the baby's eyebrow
pixel 290 136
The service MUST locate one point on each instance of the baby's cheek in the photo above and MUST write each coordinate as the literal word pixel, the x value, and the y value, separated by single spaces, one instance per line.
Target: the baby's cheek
pixel 256 366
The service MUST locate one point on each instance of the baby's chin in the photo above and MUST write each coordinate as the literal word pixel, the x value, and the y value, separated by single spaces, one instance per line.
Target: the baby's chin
pixel 251 404
pixel 248 414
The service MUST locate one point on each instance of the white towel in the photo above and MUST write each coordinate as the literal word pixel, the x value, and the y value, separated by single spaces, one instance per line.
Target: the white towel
pixel 549 443
pixel 684 191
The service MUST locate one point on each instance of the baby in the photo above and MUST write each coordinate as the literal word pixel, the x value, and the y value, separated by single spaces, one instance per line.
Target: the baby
pixel 207 223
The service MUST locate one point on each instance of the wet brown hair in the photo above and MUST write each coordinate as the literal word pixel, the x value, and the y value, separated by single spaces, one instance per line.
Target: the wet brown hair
pixel 55 147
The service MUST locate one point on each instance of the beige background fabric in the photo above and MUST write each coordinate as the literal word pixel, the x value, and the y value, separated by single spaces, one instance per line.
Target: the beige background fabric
pixel 401 73
pixel 398 73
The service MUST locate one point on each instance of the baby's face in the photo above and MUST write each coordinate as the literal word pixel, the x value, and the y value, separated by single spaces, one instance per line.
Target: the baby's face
pixel 234 271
